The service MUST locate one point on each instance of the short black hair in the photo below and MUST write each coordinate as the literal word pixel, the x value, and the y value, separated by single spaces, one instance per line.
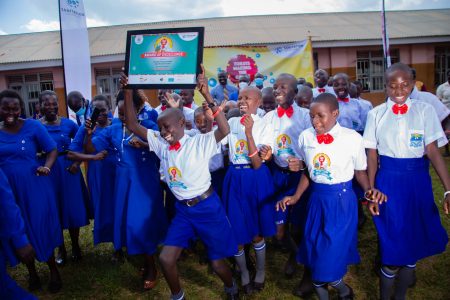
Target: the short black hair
pixel 9 93
pixel 102 98
pixel 46 93
pixel 137 99
pixel 327 99
pixel 292 80
pixel 398 67
pixel 75 94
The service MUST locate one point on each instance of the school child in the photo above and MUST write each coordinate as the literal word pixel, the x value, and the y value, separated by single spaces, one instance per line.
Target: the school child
pixel 20 141
pixel 333 155
pixel 304 97
pixel 12 235
pixel 402 136
pixel 188 99
pixel 268 99
pixel 288 122
pixel 248 185
pixel 199 211
pixel 71 193
pixel 321 79
pixel 139 222
pixel 101 171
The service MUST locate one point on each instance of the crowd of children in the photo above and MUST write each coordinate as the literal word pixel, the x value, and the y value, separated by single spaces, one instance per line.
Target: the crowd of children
pixel 288 162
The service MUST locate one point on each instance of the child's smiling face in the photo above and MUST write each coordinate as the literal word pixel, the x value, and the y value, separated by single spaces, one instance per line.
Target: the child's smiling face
pixel 399 85
pixel 323 117
pixel 249 100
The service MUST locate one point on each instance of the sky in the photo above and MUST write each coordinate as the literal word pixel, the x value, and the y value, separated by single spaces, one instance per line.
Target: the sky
pixel 20 16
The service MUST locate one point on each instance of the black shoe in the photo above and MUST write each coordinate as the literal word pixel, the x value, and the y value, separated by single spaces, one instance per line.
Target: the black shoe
pixel 54 286
pixel 258 287
pixel 61 258
pixel 34 283
pixel 248 288
pixel 303 290
pixel 350 296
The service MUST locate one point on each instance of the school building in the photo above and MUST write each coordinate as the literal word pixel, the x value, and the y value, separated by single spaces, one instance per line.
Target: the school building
pixel 347 42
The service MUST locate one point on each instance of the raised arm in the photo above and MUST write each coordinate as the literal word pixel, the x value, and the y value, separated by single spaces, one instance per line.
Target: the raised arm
pixel 130 112
pixel 223 128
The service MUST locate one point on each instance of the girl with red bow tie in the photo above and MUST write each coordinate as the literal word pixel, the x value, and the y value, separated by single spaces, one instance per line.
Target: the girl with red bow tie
pixel 402 137
pixel 333 156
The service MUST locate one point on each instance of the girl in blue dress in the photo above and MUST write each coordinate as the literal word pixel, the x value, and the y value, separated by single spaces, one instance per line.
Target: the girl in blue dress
pixel 139 221
pixel 101 172
pixel 403 136
pixel 71 193
pixel 20 141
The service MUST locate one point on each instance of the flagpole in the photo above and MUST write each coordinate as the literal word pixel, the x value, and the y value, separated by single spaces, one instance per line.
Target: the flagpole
pixel 62 59
pixel 385 37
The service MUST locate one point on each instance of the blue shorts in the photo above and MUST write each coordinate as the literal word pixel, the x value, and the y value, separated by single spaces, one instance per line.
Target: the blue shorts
pixel 208 221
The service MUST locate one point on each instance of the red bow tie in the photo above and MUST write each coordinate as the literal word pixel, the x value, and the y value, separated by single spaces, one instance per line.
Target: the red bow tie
pixel 288 111
pixel 325 138
pixel 175 146
pixel 188 105
pixel 163 107
pixel 344 99
pixel 400 109
pixel 321 90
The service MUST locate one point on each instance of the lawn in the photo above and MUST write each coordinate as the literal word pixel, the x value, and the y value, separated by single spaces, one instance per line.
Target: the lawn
pixel 95 277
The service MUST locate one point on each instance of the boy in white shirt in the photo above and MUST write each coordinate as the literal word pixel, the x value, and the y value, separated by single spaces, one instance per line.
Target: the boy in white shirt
pixel 199 211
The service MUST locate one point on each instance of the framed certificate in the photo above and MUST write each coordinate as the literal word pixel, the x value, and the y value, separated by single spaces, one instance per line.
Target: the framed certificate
pixel 164 58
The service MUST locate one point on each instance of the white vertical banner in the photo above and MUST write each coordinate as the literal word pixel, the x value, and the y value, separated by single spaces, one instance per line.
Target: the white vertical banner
pixel 75 47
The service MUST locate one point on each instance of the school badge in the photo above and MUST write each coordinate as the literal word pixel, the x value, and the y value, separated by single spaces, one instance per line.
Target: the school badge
pixel 416 140
pixel 241 150
pixel 284 145
pixel 175 178
pixel 321 163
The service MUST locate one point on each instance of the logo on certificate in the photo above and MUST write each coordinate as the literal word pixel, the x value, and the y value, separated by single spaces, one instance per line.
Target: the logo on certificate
pixel 175 178
pixel 138 39
pixel 241 150
pixel 321 164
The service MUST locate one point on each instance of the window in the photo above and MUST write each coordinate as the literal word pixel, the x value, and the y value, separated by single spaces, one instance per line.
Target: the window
pixel 29 86
pixel 441 64
pixel 108 82
pixel 370 69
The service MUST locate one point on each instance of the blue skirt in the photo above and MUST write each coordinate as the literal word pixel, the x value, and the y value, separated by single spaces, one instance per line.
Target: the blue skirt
pixel 35 197
pixel 247 198
pixel 285 184
pixel 101 176
pixel 71 195
pixel 140 222
pixel 409 226
pixel 330 237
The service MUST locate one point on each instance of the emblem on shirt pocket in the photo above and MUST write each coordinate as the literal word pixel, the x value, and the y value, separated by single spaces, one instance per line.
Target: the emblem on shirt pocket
pixel 241 150
pixel 321 164
pixel 416 138
pixel 175 178
pixel 284 145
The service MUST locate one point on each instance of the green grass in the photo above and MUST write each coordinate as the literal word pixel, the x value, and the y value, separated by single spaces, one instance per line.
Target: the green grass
pixel 96 278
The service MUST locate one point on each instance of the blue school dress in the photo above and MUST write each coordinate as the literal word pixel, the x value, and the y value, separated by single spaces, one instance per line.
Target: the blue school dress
pixel 247 193
pixel 33 194
pixel 101 176
pixel 409 226
pixel 140 223
pixel 71 193
pixel 12 233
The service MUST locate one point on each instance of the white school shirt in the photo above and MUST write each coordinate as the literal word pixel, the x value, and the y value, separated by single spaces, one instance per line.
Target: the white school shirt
pixel 441 110
pixel 366 106
pixel 328 89
pixel 350 114
pixel 237 142
pixel 216 162
pixel 403 136
pixel 335 162
pixel 186 170
pixel 286 133
pixel 260 112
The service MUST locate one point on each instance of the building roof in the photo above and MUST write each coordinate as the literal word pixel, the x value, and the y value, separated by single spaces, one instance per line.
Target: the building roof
pixel 325 29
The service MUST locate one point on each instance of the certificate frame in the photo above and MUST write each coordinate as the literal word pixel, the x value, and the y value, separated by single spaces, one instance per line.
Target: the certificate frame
pixel 172 61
